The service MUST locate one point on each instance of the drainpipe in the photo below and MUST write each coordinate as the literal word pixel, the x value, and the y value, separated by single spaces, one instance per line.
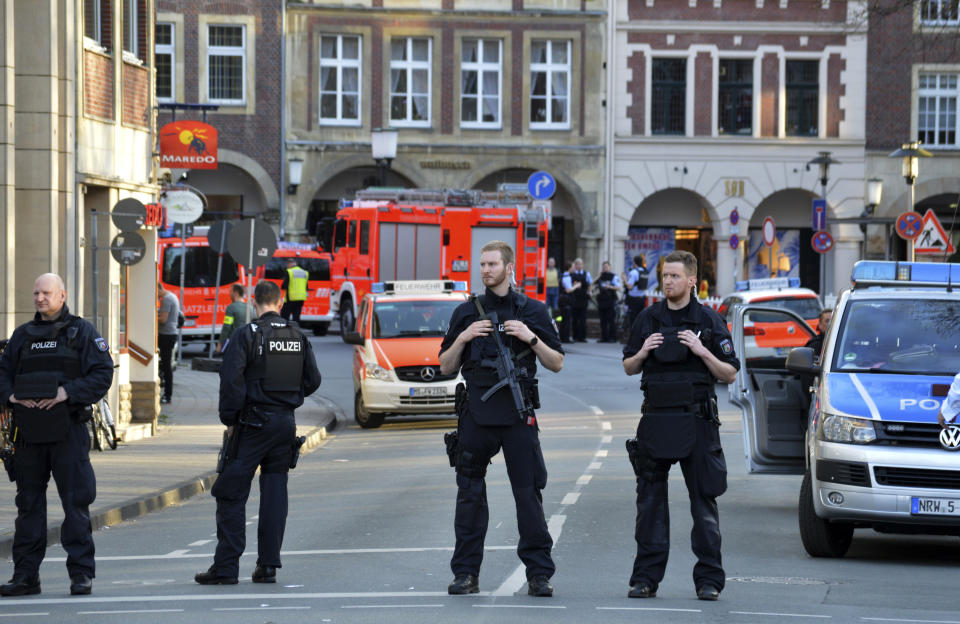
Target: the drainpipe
pixel 608 234
pixel 283 119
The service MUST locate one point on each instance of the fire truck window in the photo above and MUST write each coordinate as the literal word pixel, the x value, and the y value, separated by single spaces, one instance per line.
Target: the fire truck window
pixel 276 268
pixel 201 267
pixel 339 234
pixel 319 268
pixel 364 237
pixel 352 236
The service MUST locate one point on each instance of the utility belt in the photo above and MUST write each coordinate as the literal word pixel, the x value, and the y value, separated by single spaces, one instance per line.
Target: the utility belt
pixel 667 429
pixel 256 416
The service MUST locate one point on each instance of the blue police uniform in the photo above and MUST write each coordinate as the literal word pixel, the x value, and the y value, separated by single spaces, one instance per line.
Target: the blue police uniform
pixel 487 427
pixel 268 369
pixel 679 423
pixel 69 351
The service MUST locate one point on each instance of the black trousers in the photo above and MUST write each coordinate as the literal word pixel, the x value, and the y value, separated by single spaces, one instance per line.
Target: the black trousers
pixel 269 447
pixel 635 306
pixel 69 462
pixel 608 324
pixel 566 320
pixel 705 473
pixel 528 476
pixel 291 310
pixel 165 344
pixel 579 317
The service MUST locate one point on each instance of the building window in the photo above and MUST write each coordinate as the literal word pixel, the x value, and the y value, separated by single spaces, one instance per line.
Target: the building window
pixel 480 71
pixel 340 80
pixel 163 60
pixel 937 110
pixel 130 19
pixel 550 84
pixel 410 79
pixel 939 12
pixel 226 63
pixel 96 15
pixel 668 96
pixel 803 97
pixel 735 104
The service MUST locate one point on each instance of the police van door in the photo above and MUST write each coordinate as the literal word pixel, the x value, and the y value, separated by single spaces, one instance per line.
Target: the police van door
pixel 775 402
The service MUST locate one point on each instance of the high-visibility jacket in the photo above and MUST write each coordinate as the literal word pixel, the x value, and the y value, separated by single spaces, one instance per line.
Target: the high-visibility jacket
pixel 296 284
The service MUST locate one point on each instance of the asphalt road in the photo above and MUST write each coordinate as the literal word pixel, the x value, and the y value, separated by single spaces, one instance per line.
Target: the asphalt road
pixel 371 531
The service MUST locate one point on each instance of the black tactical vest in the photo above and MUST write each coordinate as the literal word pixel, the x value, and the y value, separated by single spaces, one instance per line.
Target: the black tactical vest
pixel 51 348
pixel 673 361
pixel 606 297
pixel 278 354
pixel 578 298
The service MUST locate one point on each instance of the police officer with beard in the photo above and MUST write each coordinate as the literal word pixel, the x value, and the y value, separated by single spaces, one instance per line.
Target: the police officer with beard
pixel 268 368
pixel 485 427
pixel 682 348
pixel 52 370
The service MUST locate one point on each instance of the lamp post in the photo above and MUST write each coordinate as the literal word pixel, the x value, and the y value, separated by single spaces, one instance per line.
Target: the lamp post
pixel 823 161
pixel 383 144
pixel 910 153
pixel 294 175
pixel 873 190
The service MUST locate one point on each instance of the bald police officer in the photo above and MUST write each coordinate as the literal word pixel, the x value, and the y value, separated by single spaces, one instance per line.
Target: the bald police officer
pixel 268 369
pixel 52 370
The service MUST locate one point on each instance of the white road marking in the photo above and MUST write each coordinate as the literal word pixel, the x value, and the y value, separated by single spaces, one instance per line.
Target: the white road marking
pixel 123 611
pixel 177 553
pixel 606 439
pixel 606 426
pixel 21 614
pixel 647 609
pixel 502 606
pixel 570 498
pixel 260 608
pixel 183 554
pixel 394 606
pixel 199 542
pixel 806 615
pixel 596 410
pixel 602 453
pixel 100 600
pixel 584 479
pixel 518 578
pixel 594 465
pixel 878 619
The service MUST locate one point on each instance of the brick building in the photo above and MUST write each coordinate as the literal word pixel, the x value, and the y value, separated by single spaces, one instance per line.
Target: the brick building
pixel 481 93
pixel 718 107
pixel 912 93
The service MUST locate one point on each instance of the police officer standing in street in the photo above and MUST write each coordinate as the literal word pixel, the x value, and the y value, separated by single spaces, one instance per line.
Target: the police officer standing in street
pixel 295 286
pixel 682 348
pixel 237 314
pixel 52 370
pixel 268 369
pixel 636 283
pixel 486 426
pixel 608 292
pixel 576 283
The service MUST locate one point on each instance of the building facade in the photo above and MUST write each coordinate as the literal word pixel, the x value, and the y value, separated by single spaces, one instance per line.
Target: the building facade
pixel 481 93
pixel 718 107
pixel 75 138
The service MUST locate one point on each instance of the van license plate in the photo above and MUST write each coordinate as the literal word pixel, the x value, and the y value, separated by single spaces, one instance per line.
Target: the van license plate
pixel 428 392
pixel 921 505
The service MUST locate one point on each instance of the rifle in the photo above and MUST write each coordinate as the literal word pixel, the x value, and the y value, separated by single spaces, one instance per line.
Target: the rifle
pixel 508 373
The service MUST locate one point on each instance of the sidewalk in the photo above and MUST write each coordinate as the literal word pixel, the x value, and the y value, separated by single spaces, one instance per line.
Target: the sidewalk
pixel 178 462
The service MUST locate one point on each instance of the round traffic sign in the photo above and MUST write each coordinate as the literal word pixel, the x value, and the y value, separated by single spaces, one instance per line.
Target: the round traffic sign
pixel 127 248
pixel 734 241
pixel 218 235
pixel 734 217
pixel 909 225
pixel 251 243
pixel 822 241
pixel 182 205
pixel 769 232
pixel 541 185
pixel 129 214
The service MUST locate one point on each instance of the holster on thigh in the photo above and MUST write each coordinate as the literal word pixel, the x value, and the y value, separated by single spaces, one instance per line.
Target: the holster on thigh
pixel 472 463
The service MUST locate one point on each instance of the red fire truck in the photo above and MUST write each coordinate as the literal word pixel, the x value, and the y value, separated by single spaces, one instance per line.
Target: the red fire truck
pixel 417 234
pixel 316 309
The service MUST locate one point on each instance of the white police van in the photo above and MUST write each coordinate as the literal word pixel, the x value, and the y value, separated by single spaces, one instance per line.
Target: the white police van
pixel 866 439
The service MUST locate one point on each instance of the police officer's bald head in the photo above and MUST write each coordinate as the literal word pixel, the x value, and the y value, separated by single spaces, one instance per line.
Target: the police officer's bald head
pixel 49 295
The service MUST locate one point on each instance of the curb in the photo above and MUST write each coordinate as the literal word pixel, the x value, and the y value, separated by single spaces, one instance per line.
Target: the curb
pixel 174 495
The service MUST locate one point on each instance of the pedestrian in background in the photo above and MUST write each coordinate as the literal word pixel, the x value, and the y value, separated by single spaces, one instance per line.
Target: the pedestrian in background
pixel 237 314
pixel 576 283
pixel 682 348
pixel 608 293
pixel 295 286
pixel 636 283
pixel 168 315
pixel 268 369
pixel 485 427
pixel 816 343
pixel 553 286
pixel 51 371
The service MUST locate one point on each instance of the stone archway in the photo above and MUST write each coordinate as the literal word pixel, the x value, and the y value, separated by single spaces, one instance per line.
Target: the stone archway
pixel 232 192
pixel 791 255
pixel 257 172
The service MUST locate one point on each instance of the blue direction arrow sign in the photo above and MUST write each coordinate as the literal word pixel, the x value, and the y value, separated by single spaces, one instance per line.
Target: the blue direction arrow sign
pixel 909 225
pixel 541 185
pixel 819 215
pixel 822 242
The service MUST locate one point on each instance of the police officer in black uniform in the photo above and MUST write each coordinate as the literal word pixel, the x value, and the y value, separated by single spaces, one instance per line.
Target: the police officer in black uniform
pixel 485 427
pixel 682 348
pixel 577 285
pixel 52 370
pixel 268 368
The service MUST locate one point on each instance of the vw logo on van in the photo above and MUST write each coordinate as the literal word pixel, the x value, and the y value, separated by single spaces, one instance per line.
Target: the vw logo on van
pixel 950 438
pixel 427 374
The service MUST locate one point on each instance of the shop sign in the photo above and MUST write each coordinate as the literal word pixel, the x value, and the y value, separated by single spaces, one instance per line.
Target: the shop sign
pixel 188 145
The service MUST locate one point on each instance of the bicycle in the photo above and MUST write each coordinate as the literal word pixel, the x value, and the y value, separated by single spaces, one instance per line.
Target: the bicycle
pixel 102 425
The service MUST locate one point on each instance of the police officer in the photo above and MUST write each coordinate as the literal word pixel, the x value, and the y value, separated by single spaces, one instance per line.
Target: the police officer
pixel 485 427
pixel 682 348
pixel 52 370
pixel 608 291
pixel 268 368
pixel 636 282
pixel 295 286
pixel 237 314
pixel 576 283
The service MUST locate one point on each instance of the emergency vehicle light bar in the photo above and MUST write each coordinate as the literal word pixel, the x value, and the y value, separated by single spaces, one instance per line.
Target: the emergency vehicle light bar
pixel 868 273
pixel 403 287
pixel 769 283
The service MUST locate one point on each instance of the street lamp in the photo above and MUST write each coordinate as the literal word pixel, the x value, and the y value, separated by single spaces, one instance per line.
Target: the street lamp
pixel 910 153
pixel 294 174
pixel 383 144
pixel 823 161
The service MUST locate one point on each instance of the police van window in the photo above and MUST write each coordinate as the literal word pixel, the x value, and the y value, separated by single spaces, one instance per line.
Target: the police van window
pixel 352 235
pixel 364 237
pixel 319 268
pixel 412 318
pixel 874 337
pixel 201 267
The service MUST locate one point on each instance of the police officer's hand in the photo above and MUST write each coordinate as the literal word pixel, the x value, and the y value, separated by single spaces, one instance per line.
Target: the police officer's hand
pixel 940 419
pixel 46 404
pixel 652 342
pixel 518 330
pixel 692 341
pixel 476 329
pixel 26 402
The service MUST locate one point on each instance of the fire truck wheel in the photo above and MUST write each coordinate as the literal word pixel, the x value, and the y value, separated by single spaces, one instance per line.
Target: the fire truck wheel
pixel 364 418
pixel 320 329
pixel 347 319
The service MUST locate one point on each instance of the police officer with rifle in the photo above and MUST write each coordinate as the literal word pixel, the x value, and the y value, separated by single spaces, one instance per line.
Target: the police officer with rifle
pixel 682 348
pixel 52 370
pixel 268 369
pixel 496 340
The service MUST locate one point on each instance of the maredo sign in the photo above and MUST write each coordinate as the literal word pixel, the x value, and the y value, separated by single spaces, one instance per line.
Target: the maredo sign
pixel 188 145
